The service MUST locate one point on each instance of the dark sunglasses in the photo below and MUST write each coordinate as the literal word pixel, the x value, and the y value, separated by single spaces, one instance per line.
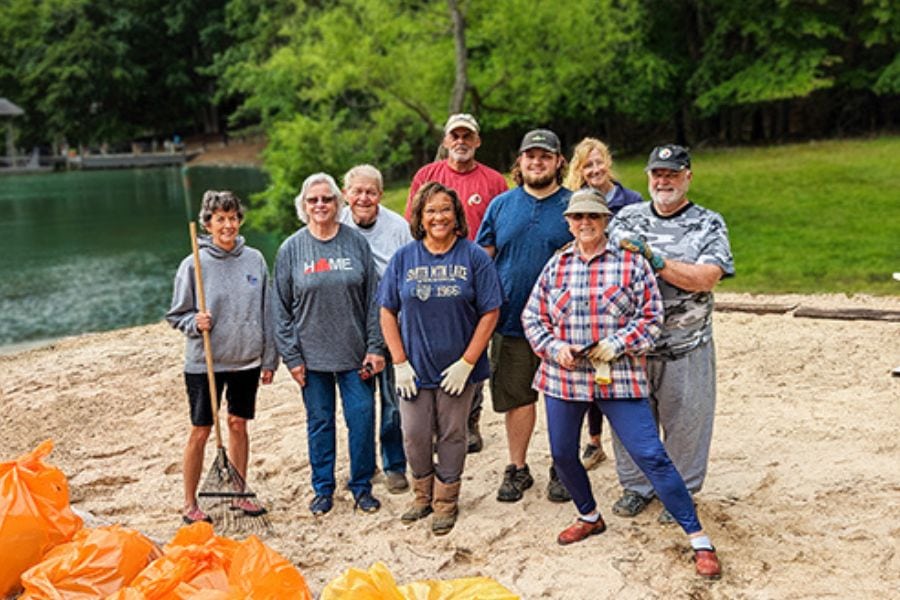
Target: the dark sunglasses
pixel 320 199
pixel 580 216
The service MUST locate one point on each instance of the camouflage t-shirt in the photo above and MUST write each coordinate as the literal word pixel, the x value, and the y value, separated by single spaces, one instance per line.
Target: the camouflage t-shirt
pixel 692 235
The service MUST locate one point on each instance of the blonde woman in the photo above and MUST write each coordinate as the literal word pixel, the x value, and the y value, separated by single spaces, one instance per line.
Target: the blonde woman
pixel 591 168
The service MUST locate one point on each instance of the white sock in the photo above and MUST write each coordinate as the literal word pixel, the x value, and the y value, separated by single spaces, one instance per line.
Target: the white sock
pixel 591 518
pixel 701 542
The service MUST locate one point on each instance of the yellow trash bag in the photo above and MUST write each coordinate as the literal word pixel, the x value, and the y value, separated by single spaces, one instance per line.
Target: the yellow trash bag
pixel 34 514
pixel 355 584
pixel 378 583
pixel 466 588
pixel 94 564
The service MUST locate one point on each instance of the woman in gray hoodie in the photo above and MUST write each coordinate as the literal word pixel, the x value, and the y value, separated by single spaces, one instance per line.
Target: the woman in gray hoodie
pixel 235 279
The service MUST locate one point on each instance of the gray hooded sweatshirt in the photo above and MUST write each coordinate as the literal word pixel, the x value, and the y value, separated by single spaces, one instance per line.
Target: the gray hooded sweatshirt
pixel 236 283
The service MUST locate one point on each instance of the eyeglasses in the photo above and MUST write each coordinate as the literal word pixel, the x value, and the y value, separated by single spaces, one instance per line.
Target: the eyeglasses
pixel 580 216
pixel 320 199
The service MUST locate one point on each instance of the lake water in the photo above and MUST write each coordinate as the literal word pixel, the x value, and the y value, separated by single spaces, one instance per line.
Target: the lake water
pixel 97 250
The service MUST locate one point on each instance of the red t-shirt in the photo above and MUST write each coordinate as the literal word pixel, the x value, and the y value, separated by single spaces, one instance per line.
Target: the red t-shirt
pixel 476 188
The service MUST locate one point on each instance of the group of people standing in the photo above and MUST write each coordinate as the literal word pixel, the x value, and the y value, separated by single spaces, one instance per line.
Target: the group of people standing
pixel 581 292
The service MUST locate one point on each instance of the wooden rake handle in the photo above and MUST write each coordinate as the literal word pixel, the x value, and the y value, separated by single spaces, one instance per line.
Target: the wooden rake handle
pixel 207 344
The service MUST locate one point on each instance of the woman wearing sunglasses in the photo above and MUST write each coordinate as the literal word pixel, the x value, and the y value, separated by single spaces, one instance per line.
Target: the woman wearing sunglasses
pixel 327 332
pixel 591 167
pixel 593 304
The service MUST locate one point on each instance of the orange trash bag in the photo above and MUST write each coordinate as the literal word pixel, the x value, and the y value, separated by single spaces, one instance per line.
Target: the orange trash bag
pixel 95 564
pixel 34 514
pixel 195 559
pixel 260 573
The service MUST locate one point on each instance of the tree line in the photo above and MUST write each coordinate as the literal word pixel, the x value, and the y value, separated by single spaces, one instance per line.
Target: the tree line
pixel 336 82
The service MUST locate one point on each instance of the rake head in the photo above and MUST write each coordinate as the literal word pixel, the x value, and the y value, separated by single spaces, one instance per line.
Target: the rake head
pixel 225 495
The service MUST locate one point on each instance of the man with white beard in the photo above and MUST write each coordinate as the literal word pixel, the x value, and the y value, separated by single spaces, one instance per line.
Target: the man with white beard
pixel 688 247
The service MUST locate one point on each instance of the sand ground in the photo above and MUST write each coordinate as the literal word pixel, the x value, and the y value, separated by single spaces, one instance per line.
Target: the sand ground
pixel 801 500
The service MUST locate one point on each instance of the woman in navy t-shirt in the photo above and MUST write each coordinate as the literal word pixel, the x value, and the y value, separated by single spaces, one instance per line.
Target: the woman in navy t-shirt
pixel 440 299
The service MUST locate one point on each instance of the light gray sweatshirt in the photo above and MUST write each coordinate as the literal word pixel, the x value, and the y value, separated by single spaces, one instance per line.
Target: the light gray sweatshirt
pixel 236 283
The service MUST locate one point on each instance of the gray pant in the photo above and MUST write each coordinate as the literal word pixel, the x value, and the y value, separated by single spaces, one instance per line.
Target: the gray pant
pixel 683 400
pixel 434 421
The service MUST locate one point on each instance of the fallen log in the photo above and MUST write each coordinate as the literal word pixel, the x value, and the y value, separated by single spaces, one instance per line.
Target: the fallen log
pixel 758 309
pixel 849 314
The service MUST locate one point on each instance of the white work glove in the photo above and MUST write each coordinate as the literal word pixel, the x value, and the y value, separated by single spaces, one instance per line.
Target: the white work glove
pixel 456 376
pixel 603 351
pixel 405 380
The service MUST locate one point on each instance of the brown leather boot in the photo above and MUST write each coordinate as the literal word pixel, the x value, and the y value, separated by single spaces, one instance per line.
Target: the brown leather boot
pixel 446 499
pixel 421 506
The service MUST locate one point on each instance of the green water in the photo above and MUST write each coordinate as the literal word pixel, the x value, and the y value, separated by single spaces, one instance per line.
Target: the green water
pixel 97 250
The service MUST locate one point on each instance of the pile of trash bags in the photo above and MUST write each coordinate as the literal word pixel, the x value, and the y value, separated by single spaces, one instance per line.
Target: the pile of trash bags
pixel 49 554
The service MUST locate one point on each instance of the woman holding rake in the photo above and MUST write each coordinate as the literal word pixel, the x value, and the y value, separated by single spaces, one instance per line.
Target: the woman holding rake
pixel 240 327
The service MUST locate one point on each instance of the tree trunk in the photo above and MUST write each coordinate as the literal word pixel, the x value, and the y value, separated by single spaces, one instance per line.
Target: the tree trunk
pixel 461 82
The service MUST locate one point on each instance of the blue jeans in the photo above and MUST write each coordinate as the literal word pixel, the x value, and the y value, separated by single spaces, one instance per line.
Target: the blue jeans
pixel 393 459
pixel 358 402
pixel 633 423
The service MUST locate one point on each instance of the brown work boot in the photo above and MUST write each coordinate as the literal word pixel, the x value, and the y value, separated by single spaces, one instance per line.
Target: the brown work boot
pixel 444 503
pixel 421 505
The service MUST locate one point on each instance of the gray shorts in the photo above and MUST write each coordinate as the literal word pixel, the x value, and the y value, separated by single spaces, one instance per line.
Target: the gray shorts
pixel 513 365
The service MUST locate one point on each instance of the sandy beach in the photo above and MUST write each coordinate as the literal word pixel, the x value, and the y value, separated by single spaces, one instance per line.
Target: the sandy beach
pixel 801 500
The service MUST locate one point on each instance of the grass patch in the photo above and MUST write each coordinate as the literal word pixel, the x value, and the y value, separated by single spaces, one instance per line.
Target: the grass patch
pixel 820 217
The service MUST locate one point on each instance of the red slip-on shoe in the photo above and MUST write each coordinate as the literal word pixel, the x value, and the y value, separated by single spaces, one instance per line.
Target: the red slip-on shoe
pixel 579 530
pixel 707 563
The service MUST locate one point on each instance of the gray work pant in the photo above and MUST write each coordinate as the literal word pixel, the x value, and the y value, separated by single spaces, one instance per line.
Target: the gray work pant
pixel 435 422
pixel 683 400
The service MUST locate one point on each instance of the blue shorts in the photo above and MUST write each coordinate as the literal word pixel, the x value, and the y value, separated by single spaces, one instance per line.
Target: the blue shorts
pixel 240 389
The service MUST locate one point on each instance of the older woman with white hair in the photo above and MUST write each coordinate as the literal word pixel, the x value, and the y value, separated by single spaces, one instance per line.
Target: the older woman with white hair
pixel 327 332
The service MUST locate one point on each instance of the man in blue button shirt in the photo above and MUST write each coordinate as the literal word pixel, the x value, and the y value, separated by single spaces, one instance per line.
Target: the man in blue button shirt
pixel 521 230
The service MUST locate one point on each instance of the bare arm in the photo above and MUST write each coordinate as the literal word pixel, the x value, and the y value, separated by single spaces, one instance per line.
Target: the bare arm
pixel 481 336
pixel 491 250
pixel 390 328
pixel 690 277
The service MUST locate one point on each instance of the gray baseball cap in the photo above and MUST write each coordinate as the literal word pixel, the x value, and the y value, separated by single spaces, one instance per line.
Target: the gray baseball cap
pixel 540 138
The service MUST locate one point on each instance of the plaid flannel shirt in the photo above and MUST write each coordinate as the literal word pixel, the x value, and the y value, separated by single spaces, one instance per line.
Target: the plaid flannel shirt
pixel 612 296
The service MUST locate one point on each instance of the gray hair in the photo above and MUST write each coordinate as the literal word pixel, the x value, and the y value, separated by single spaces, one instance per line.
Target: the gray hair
pixel 310 181
pixel 224 200
pixel 364 172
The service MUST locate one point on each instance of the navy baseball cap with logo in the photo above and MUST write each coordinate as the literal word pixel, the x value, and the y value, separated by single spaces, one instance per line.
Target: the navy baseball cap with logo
pixel 669 156
pixel 540 138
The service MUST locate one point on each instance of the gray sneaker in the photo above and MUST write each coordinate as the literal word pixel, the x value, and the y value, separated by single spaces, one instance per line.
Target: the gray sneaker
pixel 515 482
pixel 556 491
pixel 630 504
pixel 592 457
pixel 396 482
pixel 665 518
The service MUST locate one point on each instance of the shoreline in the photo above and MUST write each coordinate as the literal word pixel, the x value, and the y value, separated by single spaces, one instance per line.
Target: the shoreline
pixel 725 302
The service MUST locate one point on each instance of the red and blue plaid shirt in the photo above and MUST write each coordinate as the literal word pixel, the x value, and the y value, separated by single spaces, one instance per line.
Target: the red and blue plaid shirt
pixel 576 301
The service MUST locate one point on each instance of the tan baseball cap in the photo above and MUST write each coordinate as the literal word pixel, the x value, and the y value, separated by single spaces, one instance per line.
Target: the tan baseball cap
pixel 461 120
pixel 587 201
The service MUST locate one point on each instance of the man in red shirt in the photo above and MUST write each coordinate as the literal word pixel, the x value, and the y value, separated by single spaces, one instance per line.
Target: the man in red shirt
pixel 476 185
